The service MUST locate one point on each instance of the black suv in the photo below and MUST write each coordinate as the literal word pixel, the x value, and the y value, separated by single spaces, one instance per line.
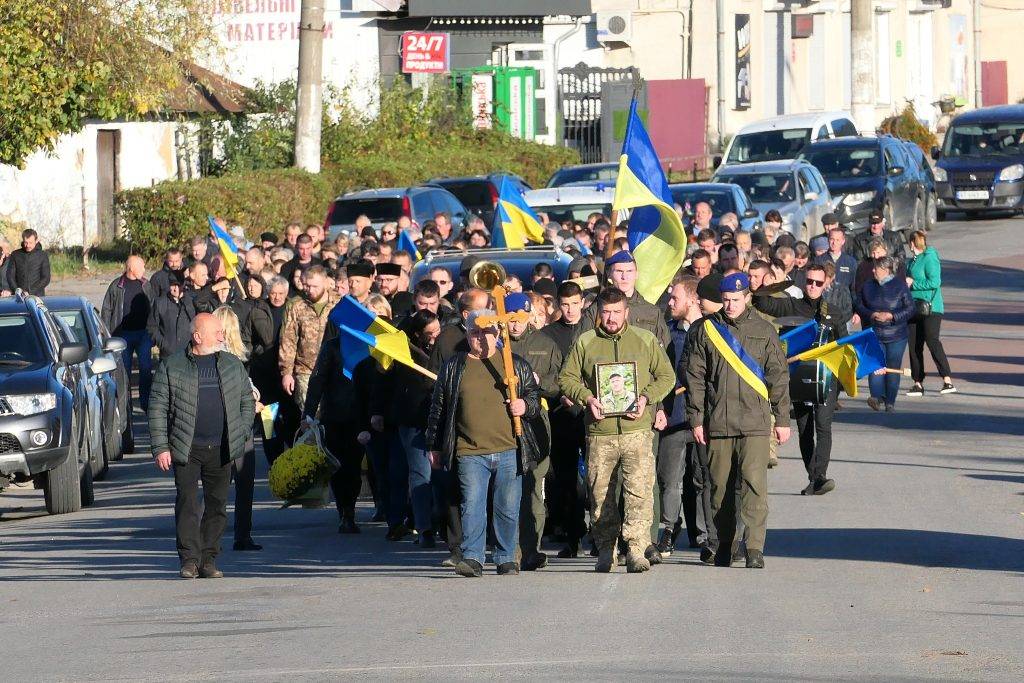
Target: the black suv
pixel 44 405
pixel 865 173
pixel 480 193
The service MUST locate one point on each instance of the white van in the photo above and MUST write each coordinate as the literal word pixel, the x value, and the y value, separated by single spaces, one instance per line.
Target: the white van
pixel 783 137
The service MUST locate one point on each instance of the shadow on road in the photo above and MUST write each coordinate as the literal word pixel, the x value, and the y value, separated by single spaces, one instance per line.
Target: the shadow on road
pixel 978 276
pixel 935 422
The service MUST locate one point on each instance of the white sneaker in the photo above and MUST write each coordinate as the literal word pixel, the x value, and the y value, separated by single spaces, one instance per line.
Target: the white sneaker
pixel 947 388
pixel 916 390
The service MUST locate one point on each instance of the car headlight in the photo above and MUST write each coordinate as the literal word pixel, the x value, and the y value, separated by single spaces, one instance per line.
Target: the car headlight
pixel 856 198
pixel 940 174
pixel 31 404
pixel 1011 173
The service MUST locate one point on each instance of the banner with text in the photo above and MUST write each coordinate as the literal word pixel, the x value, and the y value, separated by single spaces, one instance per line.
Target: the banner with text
pixel 743 61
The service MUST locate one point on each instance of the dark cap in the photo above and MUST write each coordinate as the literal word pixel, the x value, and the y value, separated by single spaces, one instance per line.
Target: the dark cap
pixel 268 237
pixel 707 288
pixel 393 269
pixel 830 219
pixel 545 287
pixel 875 216
pixel 467 264
pixel 361 268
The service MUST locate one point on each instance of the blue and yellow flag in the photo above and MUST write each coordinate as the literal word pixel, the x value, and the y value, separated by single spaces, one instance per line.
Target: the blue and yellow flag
pixel 655 234
pixel 800 338
pixel 228 250
pixel 405 243
pixel 350 313
pixel 849 358
pixel 394 345
pixel 514 221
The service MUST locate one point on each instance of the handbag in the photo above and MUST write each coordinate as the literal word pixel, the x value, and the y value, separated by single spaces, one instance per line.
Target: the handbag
pixel 922 308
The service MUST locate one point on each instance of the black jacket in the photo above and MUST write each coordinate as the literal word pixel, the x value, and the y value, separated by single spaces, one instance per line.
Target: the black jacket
pixel 330 391
pixel 451 341
pixel 112 311
pixel 403 395
pixel 160 281
pixel 441 430
pixel 859 246
pixel 833 309
pixel 29 271
pixel 170 324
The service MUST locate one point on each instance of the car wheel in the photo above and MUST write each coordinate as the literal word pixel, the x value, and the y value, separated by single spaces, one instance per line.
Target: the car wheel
pixel 127 439
pixel 106 451
pixel 85 484
pixel 62 488
pixel 940 215
pixel 888 215
pixel 919 217
pixel 931 212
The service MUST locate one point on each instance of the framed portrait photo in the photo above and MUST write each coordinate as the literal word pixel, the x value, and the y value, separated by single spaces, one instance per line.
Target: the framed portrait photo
pixel 616 387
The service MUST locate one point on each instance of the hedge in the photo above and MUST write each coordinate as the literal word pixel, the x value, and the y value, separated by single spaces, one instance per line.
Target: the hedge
pixel 171 213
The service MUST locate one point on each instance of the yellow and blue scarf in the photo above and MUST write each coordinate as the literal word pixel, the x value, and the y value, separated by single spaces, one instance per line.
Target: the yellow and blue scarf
pixel 737 357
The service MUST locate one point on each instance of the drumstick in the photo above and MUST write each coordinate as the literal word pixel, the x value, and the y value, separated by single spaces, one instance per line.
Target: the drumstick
pixel 898 371
pixel 680 390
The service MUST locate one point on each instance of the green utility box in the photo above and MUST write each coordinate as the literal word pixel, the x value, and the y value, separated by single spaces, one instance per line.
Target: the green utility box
pixel 500 96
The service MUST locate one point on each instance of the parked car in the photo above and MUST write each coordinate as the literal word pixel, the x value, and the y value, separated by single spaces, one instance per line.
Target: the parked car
pixel 114 433
pixel 722 197
pixel 784 137
pixel 981 163
pixel 44 405
pixel 572 203
pixel 793 187
pixel 421 203
pixel 872 173
pixel 480 193
pixel 518 262
pixel 585 174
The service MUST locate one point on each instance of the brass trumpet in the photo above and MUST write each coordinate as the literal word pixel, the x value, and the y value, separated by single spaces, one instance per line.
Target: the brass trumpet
pixel 487 275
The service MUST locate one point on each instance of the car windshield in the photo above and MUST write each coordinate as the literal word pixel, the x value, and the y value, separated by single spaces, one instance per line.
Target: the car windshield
pixel 75 321
pixel 720 201
pixel 377 209
pixel 837 164
pixel 768 145
pixel 19 342
pixel 765 188
pixel 472 193
pixel 572 212
pixel 985 139
pixel 583 175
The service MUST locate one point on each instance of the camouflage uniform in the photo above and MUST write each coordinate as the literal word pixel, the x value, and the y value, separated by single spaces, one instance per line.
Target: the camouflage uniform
pixel 301 333
pixel 606 455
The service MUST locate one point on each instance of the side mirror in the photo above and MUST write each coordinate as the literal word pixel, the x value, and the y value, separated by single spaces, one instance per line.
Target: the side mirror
pixel 896 170
pixel 716 160
pixel 101 365
pixel 810 196
pixel 936 153
pixel 751 213
pixel 115 345
pixel 73 353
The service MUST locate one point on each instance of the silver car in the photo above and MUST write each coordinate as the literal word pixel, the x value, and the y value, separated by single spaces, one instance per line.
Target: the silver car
pixel 793 187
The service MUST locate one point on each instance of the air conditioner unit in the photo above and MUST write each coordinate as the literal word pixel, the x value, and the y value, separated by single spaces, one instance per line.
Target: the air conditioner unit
pixel 614 27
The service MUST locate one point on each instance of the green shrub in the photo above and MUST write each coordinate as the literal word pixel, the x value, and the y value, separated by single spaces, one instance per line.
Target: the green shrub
pixel 907 126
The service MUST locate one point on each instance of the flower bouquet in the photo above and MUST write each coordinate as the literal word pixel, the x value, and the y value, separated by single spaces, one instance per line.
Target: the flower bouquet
pixel 301 475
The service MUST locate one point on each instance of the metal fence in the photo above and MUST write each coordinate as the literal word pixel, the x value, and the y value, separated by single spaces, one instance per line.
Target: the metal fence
pixel 579 94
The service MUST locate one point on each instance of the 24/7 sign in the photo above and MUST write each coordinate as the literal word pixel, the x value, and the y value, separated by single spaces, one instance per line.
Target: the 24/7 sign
pixel 426 53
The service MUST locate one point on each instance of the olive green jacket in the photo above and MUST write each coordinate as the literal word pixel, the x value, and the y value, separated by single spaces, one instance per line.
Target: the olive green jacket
pixel 655 377
pixel 718 398
pixel 642 314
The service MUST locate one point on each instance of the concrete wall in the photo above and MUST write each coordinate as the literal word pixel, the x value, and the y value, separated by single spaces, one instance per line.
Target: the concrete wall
pixel 1001 24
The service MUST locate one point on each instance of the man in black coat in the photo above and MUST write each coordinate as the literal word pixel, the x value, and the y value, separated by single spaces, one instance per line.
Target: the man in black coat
pixel 126 308
pixel 170 318
pixel 174 267
pixel 29 267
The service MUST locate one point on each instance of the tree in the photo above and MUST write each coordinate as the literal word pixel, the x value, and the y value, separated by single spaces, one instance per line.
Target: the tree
pixel 64 61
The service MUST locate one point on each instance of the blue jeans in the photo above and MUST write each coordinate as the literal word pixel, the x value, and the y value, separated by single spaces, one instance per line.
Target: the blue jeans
pixel 423 486
pixel 475 475
pixel 886 387
pixel 140 344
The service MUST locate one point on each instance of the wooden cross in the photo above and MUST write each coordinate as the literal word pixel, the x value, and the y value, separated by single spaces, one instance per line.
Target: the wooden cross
pixel 501 321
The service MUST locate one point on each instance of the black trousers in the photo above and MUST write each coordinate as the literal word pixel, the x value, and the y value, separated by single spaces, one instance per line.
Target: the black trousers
pixel 814 426
pixel 568 500
pixel 198 538
pixel 340 440
pixel 245 481
pixel 452 506
pixel 926 331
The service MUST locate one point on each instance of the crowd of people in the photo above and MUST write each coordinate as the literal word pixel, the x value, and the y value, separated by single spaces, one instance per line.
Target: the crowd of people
pixel 676 442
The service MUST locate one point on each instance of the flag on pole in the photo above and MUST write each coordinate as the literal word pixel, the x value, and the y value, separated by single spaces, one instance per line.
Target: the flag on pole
pixel 350 313
pixel 405 243
pixel 850 358
pixel 514 221
pixel 800 339
pixel 392 345
pixel 655 233
pixel 228 250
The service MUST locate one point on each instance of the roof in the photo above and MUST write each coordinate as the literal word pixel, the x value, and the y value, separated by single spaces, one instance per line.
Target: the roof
pixel 570 194
pixel 58 302
pixel 849 141
pixel 780 166
pixel 704 186
pixel 794 121
pixel 201 91
pixel 1002 112
pixel 600 164
pixel 378 192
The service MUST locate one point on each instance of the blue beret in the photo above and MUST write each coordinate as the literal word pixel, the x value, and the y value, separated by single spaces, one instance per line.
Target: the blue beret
pixel 517 301
pixel 619 257
pixel 736 282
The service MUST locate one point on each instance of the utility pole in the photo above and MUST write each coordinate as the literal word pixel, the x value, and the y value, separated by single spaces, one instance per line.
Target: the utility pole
pixel 862 64
pixel 976 20
pixel 309 103
pixel 720 70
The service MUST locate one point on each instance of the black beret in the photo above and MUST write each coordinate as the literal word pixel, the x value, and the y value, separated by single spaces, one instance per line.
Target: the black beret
pixel 707 288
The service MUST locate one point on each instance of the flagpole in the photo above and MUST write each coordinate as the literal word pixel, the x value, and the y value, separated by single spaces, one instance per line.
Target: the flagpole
pixel 423 371
pixel 238 281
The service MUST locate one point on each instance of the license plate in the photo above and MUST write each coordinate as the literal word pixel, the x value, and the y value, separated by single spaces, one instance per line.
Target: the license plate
pixel 972 194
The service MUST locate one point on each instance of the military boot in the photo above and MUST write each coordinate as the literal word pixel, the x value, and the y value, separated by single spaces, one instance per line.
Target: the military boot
pixel 605 560
pixel 636 562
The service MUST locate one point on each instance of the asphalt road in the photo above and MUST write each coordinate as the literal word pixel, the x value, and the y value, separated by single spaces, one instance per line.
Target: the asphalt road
pixel 912 569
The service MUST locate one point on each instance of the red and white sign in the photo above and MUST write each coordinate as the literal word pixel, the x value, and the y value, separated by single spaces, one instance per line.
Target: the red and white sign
pixel 426 53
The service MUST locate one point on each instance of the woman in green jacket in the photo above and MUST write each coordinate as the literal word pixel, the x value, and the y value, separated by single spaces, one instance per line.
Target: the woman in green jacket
pixel 924 276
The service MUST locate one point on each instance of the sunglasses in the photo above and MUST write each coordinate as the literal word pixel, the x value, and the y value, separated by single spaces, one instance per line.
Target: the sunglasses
pixel 815 283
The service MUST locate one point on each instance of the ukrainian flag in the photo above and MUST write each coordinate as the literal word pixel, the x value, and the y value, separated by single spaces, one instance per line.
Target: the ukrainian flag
pixel 514 221
pixel 353 315
pixel 849 358
pixel 228 250
pixel 656 238
pixel 405 243
pixel 801 338
pixel 392 345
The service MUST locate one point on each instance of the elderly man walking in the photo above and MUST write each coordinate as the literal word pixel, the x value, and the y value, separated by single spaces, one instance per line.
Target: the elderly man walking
pixel 200 419
pixel 126 308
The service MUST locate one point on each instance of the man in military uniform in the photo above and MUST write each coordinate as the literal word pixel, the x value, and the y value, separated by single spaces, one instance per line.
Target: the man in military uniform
pixel 545 359
pixel 619 444
pixel 302 331
pixel 620 400
pixel 737 379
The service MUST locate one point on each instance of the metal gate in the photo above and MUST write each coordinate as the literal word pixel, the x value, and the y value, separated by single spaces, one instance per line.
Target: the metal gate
pixel 579 91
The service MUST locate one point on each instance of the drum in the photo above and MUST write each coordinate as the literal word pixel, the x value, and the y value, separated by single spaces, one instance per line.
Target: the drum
pixel 810 381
